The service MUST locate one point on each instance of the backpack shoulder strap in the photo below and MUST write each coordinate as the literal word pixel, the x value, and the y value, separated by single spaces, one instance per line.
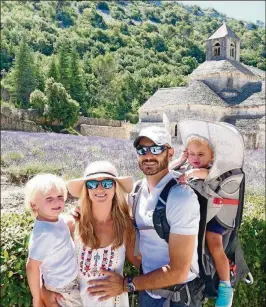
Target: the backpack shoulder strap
pixel 159 215
pixel 135 197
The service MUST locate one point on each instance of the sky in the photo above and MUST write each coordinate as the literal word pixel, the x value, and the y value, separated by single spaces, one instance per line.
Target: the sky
pixel 241 10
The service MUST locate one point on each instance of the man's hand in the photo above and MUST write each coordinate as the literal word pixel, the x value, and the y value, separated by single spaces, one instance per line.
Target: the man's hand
pixel 106 288
pixel 50 298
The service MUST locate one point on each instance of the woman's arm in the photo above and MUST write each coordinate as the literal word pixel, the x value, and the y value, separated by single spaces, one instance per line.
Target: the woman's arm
pixel 130 248
pixel 33 275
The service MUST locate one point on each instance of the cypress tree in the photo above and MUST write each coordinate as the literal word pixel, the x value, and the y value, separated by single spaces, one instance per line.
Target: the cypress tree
pixel 24 75
pixel 53 70
pixel 77 80
pixel 64 65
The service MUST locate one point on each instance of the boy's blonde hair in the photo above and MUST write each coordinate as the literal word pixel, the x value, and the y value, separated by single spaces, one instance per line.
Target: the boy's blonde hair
pixel 42 183
pixel 194 139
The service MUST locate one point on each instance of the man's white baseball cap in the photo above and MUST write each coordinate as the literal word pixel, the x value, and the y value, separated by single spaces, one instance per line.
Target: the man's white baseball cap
pixel 157 134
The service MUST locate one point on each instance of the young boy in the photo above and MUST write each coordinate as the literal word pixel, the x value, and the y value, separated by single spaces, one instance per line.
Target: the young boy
pixel 51 249
pixel 200 155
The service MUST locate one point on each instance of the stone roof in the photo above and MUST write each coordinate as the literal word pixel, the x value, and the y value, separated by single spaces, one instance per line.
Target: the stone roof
pixel 223 31
pixel 222 66
pixel 197 93
pixel 255 99
pixel 256 71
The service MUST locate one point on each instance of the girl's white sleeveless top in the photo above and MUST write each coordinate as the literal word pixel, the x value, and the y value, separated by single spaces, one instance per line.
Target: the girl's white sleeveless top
pixel 90 261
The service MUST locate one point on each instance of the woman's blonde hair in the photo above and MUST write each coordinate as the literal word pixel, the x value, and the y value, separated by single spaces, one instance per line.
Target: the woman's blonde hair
pixel 123 224
pixel 42 183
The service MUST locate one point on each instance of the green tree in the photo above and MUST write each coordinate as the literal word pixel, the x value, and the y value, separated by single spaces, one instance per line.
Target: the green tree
pixel 24 77
pixel 64 64
pixel 38 100
pixel 53 70
pixel 61 106
pixel 77 81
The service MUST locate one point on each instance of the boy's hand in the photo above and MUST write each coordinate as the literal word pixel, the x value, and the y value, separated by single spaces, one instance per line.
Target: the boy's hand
pixel 50 298
pixel 37 303
pixel 75 213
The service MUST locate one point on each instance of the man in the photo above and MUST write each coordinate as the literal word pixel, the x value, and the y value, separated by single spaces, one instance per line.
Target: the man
pixel 164 264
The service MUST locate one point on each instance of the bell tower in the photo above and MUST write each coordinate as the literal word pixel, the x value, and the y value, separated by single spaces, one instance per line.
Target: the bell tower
pixel 223 44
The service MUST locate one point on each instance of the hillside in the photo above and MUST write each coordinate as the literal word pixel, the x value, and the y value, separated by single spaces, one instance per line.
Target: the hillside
pixel 110 56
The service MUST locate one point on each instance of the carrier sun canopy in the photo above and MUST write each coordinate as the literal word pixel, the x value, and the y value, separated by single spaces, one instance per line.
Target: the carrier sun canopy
pixel 226 140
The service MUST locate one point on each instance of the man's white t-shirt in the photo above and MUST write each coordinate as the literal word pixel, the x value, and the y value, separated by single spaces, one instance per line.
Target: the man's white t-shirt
pixel 183 216
pixel 51 243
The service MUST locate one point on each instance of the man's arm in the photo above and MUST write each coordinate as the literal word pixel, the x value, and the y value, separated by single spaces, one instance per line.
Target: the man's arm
pixel 176 271
pixel 33 275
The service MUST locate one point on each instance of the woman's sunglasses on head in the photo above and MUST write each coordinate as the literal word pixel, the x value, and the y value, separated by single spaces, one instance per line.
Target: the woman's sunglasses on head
pixel 105 183
pixel 154 149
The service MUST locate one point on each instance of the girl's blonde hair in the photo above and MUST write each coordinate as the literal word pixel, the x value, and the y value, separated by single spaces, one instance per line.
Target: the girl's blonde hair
pixel 123 224
pixel 199 141
pixel 42 183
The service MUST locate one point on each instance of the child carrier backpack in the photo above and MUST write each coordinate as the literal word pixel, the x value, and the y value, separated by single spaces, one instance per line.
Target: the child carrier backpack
pixel 220 195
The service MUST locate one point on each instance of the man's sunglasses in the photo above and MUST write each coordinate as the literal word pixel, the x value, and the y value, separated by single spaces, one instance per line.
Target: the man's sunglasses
pixel 154 149
pixel 105 183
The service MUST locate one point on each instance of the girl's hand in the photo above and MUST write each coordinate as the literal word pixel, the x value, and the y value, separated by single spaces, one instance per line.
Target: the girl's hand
pixel 184 155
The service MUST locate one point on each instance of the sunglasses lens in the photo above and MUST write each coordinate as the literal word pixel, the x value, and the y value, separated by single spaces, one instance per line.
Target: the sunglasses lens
pixel 141 151
pixel 156 150
pixel 107 183
pixel 92 184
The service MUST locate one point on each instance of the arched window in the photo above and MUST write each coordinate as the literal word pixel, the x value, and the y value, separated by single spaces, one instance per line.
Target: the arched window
pixel 175 130
pixel 216 49
pixel 232 50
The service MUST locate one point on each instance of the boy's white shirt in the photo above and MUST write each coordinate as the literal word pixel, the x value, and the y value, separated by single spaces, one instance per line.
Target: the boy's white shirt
pixel 51 243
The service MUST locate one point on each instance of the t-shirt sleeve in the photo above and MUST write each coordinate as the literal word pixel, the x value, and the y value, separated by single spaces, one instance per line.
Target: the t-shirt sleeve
pixel 41 246
pixel 183 211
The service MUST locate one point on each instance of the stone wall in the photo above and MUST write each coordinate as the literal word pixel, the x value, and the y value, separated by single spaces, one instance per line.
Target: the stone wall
pixel 106 131
pixel 98 122
pixel 11 120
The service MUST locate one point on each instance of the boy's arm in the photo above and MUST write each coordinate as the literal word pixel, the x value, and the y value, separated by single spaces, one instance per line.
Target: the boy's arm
pixel 33 275
pixel 70 221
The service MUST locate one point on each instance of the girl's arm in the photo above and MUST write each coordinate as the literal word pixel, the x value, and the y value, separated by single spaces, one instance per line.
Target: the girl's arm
pixel 199 173
pixel 33 275
pixel 175 164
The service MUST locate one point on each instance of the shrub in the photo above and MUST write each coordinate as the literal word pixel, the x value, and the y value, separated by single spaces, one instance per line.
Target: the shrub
pixel 14 244
pixel 22 173
pixel 69 130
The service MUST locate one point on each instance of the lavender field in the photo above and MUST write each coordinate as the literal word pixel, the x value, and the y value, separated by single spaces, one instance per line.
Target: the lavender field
pixel 24 154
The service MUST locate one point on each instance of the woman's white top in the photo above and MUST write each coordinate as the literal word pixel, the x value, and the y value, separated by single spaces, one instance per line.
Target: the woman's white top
pixel 90 261
pixel 51 243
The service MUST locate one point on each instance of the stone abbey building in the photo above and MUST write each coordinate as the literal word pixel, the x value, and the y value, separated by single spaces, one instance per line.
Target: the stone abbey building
pixel 220 89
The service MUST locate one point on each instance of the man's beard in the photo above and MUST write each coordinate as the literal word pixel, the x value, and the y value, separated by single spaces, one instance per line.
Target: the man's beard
pixel 154 169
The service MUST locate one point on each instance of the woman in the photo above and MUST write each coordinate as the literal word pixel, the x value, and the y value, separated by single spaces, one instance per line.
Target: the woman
pixel 104 234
